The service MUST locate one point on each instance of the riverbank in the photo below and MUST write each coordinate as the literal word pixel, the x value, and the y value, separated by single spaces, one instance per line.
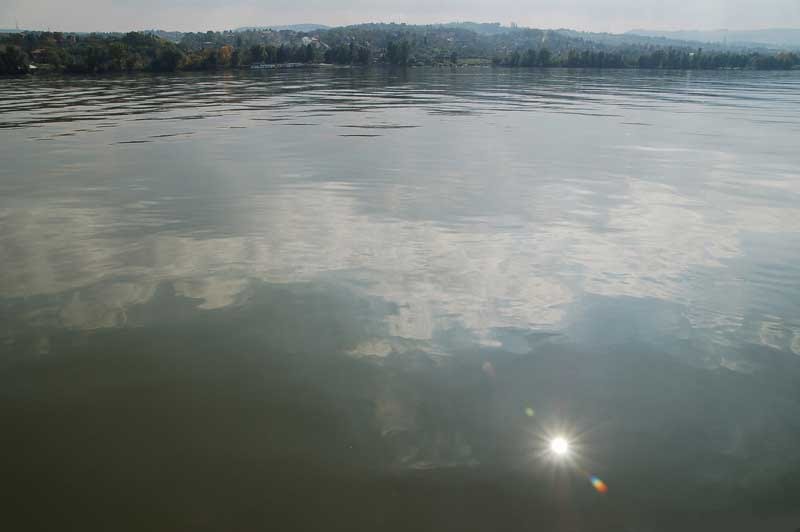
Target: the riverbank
pixel 363 46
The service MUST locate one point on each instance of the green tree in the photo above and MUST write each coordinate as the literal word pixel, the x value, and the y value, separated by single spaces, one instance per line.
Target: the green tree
pixel 398 54
pixel 169 59
pixel 545 58
pixel 119 53
pixel 364 55
pixel 258 53
pixel 13 60
pixel 282 55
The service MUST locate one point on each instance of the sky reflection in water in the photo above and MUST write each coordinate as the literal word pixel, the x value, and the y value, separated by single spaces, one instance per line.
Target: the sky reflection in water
pixel 343 255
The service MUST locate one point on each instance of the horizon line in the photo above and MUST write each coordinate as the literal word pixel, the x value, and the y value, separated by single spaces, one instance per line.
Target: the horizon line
pixel 7 27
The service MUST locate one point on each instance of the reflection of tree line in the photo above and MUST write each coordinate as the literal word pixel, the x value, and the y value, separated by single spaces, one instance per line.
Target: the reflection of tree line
pixel 97 53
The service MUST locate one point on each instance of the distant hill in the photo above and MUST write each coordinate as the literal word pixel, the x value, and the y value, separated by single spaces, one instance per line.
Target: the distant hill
pixel 174 36
pixel 455 44
pixel 777 37
pixel 481 28
pixel 304 28
pixel 624 39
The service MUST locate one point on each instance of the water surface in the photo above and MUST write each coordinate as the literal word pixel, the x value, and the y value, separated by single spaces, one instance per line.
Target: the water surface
pixel 366 299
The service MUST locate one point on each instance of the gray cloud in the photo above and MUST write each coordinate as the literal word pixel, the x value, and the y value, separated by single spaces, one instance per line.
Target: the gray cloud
pixel 605 15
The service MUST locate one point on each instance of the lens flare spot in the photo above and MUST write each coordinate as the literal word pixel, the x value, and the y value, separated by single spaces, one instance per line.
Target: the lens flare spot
pixel 529 412
pixel 559 446
pixel 599 485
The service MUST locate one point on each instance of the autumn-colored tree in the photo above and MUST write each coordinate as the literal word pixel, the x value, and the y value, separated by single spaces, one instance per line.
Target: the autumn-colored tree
pixel 224 55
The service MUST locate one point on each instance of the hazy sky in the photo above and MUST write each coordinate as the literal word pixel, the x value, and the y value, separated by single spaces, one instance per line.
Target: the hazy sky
pixel 595 15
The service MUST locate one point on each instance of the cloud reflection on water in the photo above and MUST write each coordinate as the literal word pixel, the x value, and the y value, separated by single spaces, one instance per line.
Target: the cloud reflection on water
pixel 401 302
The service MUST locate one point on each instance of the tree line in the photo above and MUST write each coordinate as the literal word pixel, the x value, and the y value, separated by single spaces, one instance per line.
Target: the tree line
pixel 669 59
pixel 134 52
pixel 358 45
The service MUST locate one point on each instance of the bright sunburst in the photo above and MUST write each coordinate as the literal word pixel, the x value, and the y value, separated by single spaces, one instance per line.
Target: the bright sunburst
pixel 559 446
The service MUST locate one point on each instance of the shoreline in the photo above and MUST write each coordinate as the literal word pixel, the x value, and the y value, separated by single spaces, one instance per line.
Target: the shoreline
pixel 40 72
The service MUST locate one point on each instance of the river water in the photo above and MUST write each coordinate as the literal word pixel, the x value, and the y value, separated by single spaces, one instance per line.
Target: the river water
pixel 352 299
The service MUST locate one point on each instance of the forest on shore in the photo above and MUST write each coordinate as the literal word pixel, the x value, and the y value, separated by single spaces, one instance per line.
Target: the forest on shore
pixel 368 44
